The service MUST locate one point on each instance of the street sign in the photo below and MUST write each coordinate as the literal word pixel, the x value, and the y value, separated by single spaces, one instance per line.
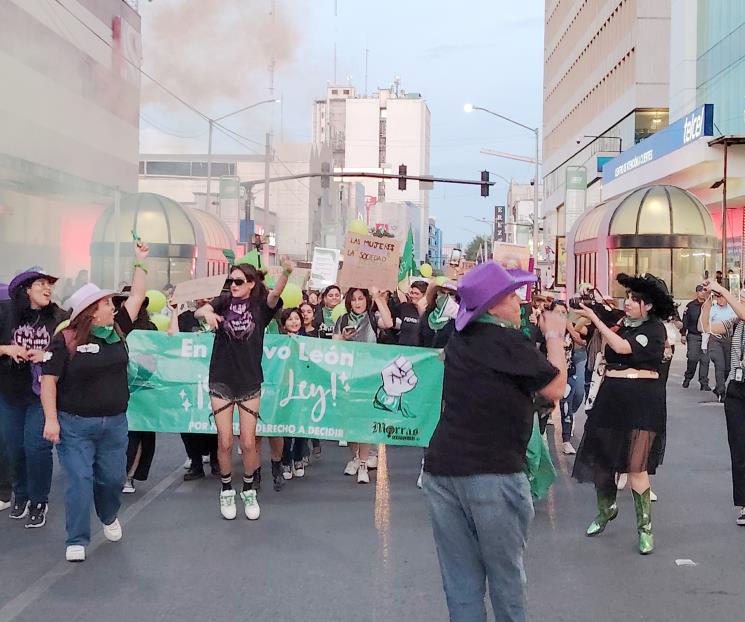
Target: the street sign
pixel 500 225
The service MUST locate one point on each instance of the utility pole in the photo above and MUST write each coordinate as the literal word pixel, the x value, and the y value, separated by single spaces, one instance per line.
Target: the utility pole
pixel 268 157
pixel 208 205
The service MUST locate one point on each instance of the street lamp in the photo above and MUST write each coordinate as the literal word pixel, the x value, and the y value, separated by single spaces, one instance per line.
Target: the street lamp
pixel 536 131
pixel 209 150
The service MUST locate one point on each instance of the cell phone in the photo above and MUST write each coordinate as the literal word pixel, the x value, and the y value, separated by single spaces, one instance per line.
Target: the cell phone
pixel 349 330
pixel 739 374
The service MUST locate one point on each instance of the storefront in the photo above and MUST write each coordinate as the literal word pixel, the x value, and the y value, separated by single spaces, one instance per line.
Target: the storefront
pixel 659 229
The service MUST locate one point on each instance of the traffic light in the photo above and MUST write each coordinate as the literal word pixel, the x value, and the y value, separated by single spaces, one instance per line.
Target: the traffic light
pixel 325 174
pixel 485 186
pixel 402 177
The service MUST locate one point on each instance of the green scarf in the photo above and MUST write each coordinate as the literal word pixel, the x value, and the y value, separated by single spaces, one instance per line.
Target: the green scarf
pixel 356 318
pixel 327 320
pixel 629 323
pixel 488 318
pixel 106 333
pixel 437 319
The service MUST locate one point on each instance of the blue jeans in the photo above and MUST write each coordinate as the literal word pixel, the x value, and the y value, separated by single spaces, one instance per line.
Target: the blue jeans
pixel 29 454
pixel 570 404
pixel 480 524
pixel 93 452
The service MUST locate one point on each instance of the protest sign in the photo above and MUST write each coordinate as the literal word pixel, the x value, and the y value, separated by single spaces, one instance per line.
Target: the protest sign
pixel 198 289
pixel 370 261
pixel 324 268
pixel 335 390
pixel 456 272
pixel 512 256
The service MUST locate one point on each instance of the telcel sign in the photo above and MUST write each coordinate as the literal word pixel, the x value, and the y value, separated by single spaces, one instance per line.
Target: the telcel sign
pixel 693 126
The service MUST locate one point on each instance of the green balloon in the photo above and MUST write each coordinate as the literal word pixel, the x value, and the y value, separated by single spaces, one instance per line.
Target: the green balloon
pixel 252 258
pixel 161 321
pixel 338 311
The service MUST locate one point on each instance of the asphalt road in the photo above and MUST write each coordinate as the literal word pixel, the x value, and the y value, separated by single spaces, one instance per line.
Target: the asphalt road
pixel 327 548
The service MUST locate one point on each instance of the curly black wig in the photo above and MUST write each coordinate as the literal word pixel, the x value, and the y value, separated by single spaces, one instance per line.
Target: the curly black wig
pixel 651 290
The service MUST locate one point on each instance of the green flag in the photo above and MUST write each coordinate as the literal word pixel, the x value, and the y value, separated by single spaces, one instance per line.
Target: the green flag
pixel 408 262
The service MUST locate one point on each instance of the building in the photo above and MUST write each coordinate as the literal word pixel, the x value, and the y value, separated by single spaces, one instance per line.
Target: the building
pixel 286 225
pixel 70 128
pixel 435 255
pixel 707 120
pixel 376 134
pixel 606 84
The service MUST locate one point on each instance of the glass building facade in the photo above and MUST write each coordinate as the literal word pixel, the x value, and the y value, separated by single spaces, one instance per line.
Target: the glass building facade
pixel 720 70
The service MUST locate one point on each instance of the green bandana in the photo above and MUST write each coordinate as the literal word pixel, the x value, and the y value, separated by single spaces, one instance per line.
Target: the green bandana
pixel 356 318
pixel 437 319
pixel 629 323
pixel 327 320
pixel 487 318
pixel 106 333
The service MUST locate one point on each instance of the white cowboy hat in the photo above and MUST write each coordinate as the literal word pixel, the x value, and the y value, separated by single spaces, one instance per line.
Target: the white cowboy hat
pixel 86 296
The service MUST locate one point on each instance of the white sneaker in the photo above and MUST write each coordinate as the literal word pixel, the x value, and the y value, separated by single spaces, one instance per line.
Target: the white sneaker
pixel 75 553
pixel 419 479
pixel 306 462
pixel 206 459
pixel 113 532
pixel 652 496
pixel 741 517
pixel 227 504
pixel 129 487
pixel 343 444
pixel 621 480
pixel 568 449
pixel 4 505
pixel 251 504
pixel 240 451
pixel 187 464
pixel 372 461
pixel 352 467
pixel 287 471
pixel 362 475
pixel 298 470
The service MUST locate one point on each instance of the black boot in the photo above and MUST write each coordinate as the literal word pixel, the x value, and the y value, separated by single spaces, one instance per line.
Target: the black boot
pixel 194 472
pixel 257 480
pixel 277 478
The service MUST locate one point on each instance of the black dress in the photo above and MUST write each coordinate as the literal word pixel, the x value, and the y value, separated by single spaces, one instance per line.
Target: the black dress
pixel 625 430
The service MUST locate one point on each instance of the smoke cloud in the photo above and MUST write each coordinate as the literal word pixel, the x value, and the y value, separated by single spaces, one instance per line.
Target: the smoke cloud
pixel 210 51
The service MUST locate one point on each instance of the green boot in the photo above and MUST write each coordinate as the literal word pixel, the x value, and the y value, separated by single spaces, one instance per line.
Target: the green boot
pixel 607 511
pixel 643 506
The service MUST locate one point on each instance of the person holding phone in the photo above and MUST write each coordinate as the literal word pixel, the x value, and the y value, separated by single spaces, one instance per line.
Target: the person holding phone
pixel 732 329
pixel 239 319
pixel 361 323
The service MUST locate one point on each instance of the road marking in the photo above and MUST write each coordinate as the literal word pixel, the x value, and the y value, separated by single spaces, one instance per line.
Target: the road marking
pixel 20 603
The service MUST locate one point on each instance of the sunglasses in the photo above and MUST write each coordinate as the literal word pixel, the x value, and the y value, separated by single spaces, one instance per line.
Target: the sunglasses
pixel 237 282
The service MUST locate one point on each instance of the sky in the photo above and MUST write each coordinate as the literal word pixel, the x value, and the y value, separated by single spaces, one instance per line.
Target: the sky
pixel 216 54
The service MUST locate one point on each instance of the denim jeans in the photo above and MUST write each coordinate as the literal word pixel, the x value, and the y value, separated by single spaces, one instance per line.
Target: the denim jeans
pixel 28 454
pixel 480 525
pixel 696 356
pixel 93 452
pixel 570 404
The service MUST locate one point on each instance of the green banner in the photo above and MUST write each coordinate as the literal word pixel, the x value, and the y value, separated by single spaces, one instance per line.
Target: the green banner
pixel 315 388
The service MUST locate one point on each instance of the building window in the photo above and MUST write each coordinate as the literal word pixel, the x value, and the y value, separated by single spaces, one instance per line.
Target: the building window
pixel 346 91
pixel 334 91
pixel 174 169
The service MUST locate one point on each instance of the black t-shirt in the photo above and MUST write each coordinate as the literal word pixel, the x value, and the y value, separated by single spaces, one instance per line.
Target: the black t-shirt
pixel 33 330
pixel 323 322
pixel 408 334
pixel 647 347
pixel 93 382
pixel 188 323
pixel 235 368
pixel 429 338
pixel 491 374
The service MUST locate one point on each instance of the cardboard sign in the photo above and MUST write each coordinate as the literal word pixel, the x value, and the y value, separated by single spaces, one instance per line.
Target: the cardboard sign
pixel 512 256
pixel 370 261
pixel 456 272
pixel 325 268
pixel 199 289
pixel 299 276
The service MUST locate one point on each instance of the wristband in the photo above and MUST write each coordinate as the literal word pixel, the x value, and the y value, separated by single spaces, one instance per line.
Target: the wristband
pixel 140 265
pixel 286 272
pixel 553 334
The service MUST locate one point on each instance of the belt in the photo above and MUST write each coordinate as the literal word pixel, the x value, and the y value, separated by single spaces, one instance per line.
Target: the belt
pixel 632 374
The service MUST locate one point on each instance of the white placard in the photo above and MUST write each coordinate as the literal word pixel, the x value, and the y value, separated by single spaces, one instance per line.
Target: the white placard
pixel 325 267
pixel 198 289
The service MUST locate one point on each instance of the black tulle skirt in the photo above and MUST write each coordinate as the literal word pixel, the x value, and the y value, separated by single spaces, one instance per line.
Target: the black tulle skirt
pixel 625 430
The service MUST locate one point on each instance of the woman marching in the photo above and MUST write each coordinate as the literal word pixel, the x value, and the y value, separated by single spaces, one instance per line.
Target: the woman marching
pixel 27 323
pixel 360 323
pixel 625 428
pixel 85 392
pixel 235 376
pixel 324 322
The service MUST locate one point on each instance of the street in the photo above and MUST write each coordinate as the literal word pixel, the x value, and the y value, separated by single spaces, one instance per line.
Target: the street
pixel 327 548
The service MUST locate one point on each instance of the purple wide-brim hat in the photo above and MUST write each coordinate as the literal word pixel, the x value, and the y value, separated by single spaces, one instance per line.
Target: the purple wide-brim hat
pixel 28 276
pixel 482 287
pixel 4 295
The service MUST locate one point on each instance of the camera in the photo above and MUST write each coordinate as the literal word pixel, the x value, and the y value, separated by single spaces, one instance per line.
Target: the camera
pixel 607 314
pixel 586 299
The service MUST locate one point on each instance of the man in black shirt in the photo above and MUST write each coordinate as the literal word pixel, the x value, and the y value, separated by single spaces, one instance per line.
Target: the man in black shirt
pixel 478 494
pixel 691 337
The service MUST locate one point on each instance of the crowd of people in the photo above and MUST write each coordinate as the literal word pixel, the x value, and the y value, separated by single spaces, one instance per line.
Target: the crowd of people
pixel 508 364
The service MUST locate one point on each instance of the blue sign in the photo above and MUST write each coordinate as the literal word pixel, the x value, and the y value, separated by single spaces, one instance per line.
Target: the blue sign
pixel 691 127
pixel 251 228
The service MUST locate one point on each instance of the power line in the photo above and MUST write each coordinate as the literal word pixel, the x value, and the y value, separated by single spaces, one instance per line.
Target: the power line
pixel 165 130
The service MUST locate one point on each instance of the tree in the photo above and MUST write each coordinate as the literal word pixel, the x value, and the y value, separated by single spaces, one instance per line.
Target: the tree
pixel 475 247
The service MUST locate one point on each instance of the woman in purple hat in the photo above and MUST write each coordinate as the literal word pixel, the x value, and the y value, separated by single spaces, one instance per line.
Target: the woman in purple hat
pixel 478 494
pixel 27 323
